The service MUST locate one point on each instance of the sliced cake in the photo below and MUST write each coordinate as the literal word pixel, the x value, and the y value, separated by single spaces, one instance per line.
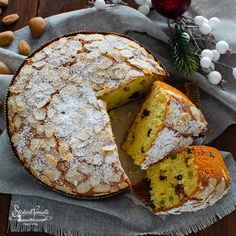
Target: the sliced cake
pixel 188 180
pixel 57 109
pixel 167 121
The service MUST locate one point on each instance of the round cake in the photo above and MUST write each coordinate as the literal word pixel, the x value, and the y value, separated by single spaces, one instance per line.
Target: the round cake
pixel 57 109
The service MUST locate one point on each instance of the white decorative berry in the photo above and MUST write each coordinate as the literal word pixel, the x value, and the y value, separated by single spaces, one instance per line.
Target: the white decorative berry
pixel 222 47
pixel 207 53
pixel 100 4
pixel 186 35
pixel 205 28
pixel 214 22
pixel 144 9
pixel 214 77
pixel 234 73
pixel 140 2
pixel 199 20
pixel 149 3
pixel 205 62
pixel 216 55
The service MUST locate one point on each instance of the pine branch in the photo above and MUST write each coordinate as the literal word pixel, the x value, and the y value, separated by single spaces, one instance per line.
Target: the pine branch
pixel 183 54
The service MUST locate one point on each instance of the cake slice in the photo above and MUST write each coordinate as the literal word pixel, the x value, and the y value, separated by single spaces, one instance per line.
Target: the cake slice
pixel 167 121
pixel 188 180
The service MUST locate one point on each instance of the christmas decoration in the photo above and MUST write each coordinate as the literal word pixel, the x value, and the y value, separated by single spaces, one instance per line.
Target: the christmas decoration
pixel 171 9
pixel 100 4
pixel 182 53
pixel 214 77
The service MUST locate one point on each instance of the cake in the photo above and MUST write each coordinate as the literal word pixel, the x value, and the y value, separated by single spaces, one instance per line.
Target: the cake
pixel 188 180
pixel 167 121
pixel 57 109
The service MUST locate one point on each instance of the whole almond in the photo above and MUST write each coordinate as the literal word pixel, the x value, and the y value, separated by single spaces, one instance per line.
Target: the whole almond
pixel 24 48
pixel 3 3
pixel 4 69
pixel 6 38
pixel 10 19
pixel 37 26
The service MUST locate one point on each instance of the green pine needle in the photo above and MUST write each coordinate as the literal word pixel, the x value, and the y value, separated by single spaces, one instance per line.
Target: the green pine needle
pixel 182 53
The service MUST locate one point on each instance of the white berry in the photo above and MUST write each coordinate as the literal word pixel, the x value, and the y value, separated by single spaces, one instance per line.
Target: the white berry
pixel 222 47
pixel 216 55
pixel 186 35
pixel 100 4
pixel 149 3
pixel 144 9
pixel 205 28
pixel 199 20
pixel 214 22
pixel 140 2
pixel 234 73
pixel 207 53
pixel 205 62
pixel 214 77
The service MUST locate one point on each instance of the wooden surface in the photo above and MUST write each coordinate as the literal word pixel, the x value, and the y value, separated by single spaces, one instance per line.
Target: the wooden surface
pixel 29 8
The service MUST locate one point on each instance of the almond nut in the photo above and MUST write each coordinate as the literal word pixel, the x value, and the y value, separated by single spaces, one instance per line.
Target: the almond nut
pixel 6 38
pixel 4 69
pixel 10 19
pixel 24 48
pixel 37 26
pixel 3 3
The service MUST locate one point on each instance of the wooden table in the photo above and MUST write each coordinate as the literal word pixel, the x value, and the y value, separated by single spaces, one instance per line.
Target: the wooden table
pixel 30 8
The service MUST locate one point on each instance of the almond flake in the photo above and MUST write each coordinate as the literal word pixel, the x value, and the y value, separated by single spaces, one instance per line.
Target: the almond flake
pixel 126 53
pixel 39 114
pixel 93 55
pixel 83 187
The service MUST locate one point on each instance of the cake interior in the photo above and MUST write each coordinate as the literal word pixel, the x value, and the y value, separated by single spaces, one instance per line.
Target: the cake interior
pixel 148 123
pixel 172 179
pixel 129 92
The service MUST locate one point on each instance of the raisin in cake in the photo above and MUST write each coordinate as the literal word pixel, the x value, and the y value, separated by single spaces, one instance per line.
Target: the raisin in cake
pixel 167 121
pixel 57 109
pixel 188 180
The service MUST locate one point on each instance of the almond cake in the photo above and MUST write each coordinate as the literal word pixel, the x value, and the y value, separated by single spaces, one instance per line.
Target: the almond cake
pixel 167 121
pixel 189 179
pixel 57 109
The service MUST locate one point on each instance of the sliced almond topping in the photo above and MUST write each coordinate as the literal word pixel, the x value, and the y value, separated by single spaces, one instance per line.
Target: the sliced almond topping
pixel 17 121
pixel 15 138
pixel 101 188
pixel 93 55
pixel 52 175
pixel 69 157
pixel 50 141
pixel 45 179
pixel 51 159
pixel 50 113
pixel 126 53
pixel 39 114
pixel 49 130
pixel 63 147
pixel 123 185
pixel 83 187
pixel 35 144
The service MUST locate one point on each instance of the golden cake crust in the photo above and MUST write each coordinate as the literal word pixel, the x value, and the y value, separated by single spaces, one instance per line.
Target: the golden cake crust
pixel 62 76
pixel 213 180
